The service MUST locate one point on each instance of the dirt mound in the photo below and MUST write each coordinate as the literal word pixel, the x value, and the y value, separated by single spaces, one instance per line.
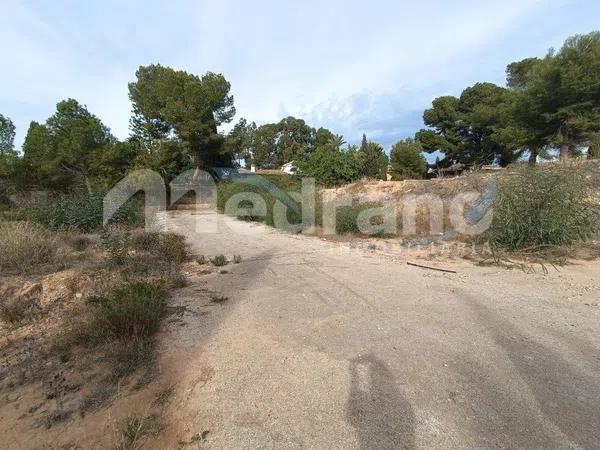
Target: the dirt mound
pixel 446 188
pixel 64 286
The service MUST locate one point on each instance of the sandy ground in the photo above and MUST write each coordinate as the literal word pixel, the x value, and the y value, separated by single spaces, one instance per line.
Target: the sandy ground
pixel 335 345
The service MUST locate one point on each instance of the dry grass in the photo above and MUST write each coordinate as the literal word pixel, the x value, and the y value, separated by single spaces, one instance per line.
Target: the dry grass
pixel 102 346
pixel 15 310
pixel 135 429
pixel 24 246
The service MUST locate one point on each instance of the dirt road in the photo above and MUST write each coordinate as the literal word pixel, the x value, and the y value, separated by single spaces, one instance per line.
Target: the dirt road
pixel 324 346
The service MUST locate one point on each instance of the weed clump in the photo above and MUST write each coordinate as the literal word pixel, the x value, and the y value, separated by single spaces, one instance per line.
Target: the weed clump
pixel 168 246
pixel 23 246
pixel 347 217
pixel 543 206
pixel 135 429
pixel 129 312
pixel 219 261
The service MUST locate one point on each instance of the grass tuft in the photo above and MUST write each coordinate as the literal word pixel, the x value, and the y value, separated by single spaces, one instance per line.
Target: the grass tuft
pixel 129 312
pixel 136 429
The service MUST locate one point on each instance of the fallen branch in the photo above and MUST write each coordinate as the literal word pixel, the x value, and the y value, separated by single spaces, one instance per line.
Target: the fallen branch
pixel 430 268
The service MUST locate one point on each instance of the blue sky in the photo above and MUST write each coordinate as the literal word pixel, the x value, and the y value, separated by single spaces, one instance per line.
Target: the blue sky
pixel 350 66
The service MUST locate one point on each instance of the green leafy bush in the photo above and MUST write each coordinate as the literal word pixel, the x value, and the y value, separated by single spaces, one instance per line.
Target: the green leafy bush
pixel 83 212
pixel 544 206
pixel 332 166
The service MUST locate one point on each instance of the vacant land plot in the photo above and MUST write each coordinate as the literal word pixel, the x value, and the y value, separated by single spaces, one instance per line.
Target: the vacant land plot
pixel 328 345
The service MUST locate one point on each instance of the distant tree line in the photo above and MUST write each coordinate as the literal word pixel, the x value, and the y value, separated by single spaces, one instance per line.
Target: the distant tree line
pixel 548 104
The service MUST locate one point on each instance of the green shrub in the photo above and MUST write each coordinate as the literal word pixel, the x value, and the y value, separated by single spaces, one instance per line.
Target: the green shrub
pixel 347 217
pixel 219 260
pixel 265 186
pixel 24 245
pixel 543 206
pixel 130 312
pixel 143 251
pixel 332 166
pixel 82 212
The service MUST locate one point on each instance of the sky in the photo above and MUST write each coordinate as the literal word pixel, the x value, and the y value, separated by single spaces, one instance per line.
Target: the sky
pixel 353 67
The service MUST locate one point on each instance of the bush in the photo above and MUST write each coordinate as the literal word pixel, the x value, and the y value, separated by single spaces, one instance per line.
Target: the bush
pixel 130 312
pixel 219 261
pixel 168 246
pixel 407 160
pixel 266 187
pixel 543 206
pixel 135 429
pixel 333 166
pixel 25 245
pixel 116 244
pixel 82 212
pixel 347 217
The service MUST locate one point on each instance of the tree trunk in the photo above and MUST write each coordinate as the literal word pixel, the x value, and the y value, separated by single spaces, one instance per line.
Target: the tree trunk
pixel 196 175
pixel 88 185
pixel 564 151
pixel 533 154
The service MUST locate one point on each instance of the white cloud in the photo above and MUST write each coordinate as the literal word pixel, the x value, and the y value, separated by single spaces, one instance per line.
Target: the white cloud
pixel 352 66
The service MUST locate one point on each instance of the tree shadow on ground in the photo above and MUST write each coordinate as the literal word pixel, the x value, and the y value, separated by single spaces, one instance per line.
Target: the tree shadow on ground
pixel 381 415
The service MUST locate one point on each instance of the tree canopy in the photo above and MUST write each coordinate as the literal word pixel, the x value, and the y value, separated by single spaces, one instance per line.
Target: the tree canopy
pixel 60 151
pixel 331 165
pixel 549 104
pixel 7 135
pixel 407 160
pixel 274 144
pixel 169 102
pixel 463 128
pixel 374 159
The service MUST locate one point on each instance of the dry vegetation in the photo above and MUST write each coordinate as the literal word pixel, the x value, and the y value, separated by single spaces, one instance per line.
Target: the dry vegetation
pixel 78 318
pixel 547 206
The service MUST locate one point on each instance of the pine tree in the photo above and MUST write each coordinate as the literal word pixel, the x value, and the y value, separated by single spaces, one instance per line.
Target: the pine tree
pixel 374 159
